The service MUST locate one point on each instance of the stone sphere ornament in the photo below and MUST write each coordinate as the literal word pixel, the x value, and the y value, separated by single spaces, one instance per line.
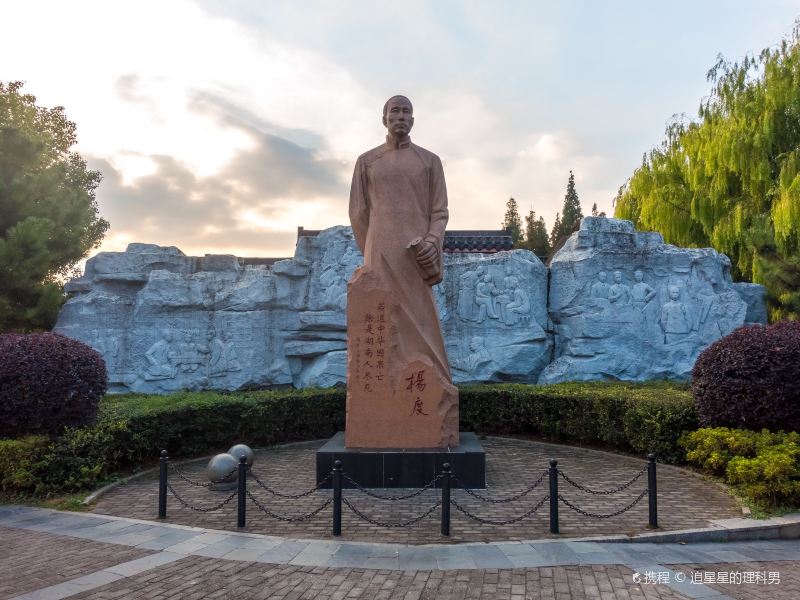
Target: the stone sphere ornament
pixel 240 450
pixel 222 472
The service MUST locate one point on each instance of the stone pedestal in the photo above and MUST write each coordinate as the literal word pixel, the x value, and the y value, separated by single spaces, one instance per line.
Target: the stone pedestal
pixel 404 467
pixel 399 393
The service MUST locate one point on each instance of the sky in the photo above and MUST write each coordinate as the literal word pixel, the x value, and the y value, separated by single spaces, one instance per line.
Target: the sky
pixel 220 127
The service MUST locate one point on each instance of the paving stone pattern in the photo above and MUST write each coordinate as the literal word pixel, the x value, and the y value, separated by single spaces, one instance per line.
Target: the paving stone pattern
pixel 30 560
pixel 685 501
pixel 197 577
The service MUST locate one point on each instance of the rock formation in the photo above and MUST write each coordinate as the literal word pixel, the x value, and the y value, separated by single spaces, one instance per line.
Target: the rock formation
pixel 164 321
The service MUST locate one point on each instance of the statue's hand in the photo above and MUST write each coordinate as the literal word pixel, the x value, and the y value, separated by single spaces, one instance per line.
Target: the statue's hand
pixel 427 254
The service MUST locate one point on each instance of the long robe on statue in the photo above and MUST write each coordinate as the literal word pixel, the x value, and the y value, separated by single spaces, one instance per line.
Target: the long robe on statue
pixel 399 389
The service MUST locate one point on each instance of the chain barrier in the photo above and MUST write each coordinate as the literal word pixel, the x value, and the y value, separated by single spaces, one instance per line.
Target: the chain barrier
pixel 408 523
pixel 615 490
pixel 586 513
pixel 185 504
pixel 296 519
pixel 468 514
pixel 265 487
pixel 522 494
pixel 372 494
pixel 198 483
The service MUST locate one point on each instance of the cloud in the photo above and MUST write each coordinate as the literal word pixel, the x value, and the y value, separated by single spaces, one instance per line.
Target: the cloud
pixel 250 208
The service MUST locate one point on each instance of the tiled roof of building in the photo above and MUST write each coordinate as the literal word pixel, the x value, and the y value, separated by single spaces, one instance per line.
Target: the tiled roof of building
pixel 458 241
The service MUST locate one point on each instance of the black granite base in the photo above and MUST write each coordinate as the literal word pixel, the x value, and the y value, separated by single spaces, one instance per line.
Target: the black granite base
pixel 404 468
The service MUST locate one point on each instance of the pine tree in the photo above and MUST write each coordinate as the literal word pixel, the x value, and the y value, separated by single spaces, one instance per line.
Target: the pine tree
pixel 536 239
pixel 48 212
pixel 513 222
pixel 555 233
pixel 571 214
pixel 595 213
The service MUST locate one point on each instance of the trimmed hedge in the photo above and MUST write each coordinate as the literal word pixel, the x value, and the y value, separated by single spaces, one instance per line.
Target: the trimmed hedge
pixel 131 428
pixel 749 378
pixel 638 418
pixel 48 382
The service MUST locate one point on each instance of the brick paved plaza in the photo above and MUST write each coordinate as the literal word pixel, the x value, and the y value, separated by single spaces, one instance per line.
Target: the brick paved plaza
pixel 120 550
pixel 49 555
pixel 685 500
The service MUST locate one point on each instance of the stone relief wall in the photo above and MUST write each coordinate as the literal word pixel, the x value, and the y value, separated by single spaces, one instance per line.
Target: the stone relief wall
pixel 621 305
pixel 624 305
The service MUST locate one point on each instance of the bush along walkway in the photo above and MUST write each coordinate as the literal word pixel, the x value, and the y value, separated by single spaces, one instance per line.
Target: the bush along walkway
pixel 133 558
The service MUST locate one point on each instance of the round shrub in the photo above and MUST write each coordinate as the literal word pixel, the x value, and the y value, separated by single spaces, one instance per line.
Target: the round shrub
pixel 749 379
pixel 47 382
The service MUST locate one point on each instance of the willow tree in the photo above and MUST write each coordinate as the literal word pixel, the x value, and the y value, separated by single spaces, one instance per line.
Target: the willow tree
pixel 731 178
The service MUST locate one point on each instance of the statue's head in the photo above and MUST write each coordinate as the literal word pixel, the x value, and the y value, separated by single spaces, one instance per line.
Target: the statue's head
pixel 211 334
pixel 167 334
pixel 398 116
pixel 617 276
pixel 602 276
pixel 638 275
pixel 674 292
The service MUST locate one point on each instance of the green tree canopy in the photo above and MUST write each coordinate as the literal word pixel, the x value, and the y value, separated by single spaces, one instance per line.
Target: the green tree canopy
pixel 731 178
pixel 48 212
pixel 555 233
pixel 512 221
pixel 571 214
pixel 536 238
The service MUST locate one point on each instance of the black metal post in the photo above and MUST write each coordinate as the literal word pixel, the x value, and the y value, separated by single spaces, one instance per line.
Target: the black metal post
pixel 162 485
pixel 446 499
pixel 242 493
pixel 337 497
pixel 652 492
pixel 553 470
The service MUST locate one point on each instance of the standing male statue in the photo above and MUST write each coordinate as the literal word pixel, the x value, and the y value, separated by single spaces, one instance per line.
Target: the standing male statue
pixel 399 390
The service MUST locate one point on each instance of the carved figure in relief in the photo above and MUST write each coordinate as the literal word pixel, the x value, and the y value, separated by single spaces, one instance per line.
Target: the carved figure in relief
pixel 675 321
pixel 441 302
pixel 601 288
pixel 188 359
pixel 520 305
pixel 506 294
pixel 112 350
pixel 466 292
pixel 477 356
pixel 641 293
pixel 485 291
pixel 619 293
pixel 160 357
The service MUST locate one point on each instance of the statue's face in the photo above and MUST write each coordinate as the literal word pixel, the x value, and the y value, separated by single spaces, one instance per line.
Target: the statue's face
pixel 617 277
pixel 602 276
pixel 638 275
pixel 674 293
pixel 399 117
pixel 167 335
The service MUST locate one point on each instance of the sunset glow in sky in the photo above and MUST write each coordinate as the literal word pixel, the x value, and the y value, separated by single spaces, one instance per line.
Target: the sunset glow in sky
pixel 220 127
